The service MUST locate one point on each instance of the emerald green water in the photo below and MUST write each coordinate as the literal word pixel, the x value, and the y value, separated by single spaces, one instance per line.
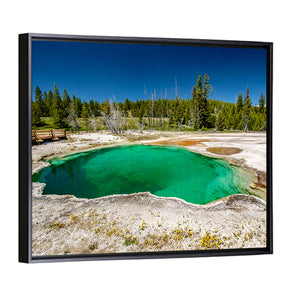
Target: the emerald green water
pixel 161 170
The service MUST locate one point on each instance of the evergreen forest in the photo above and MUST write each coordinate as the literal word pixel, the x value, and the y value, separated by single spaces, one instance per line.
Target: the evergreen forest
pixel 50 109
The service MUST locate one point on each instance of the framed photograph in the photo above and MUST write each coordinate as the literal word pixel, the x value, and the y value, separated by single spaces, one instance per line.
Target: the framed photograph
pixel 143 148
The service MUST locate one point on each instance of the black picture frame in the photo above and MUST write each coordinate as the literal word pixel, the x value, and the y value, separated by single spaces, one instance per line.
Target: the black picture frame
pixel 25 177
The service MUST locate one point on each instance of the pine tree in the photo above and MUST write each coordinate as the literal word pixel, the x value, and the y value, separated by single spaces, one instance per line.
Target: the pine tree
pixel 97 108
pixel 180 111
pixel 262 103
pixel 220 119
pixel 141 121
pixel 200 103
pixel 176 113
pixel 35 115
pixel 92 107
pixel 205 113
pixel 207 88
pixel 172 112
pixel 49 103
pixel 187 114
pixel 195 109
pixel 77 106
pixel 46 108
pixel 66 100
pixel 58 112
pixel 239 103
pixel 199 111
pixel 85 115
pixel 246 111
pixel 126 107
pixel 39 103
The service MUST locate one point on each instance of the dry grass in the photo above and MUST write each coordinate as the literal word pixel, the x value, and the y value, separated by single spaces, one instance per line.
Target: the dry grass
pixel 103 228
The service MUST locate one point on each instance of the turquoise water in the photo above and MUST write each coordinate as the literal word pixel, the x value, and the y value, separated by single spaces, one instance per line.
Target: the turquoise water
pixel 161 170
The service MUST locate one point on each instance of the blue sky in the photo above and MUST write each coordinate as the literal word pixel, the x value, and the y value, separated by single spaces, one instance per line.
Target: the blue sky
pixel 101 70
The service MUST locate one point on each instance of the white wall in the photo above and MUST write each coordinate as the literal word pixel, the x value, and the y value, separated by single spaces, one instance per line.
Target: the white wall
pixel 253 277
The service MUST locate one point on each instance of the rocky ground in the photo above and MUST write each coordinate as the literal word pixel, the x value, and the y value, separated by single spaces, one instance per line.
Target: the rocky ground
pixel 63 225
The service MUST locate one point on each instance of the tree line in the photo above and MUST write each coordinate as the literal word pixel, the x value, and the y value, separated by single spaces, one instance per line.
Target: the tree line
pixel 197 113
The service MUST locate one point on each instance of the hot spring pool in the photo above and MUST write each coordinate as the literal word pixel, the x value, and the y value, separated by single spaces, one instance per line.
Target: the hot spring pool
pixel 161 170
